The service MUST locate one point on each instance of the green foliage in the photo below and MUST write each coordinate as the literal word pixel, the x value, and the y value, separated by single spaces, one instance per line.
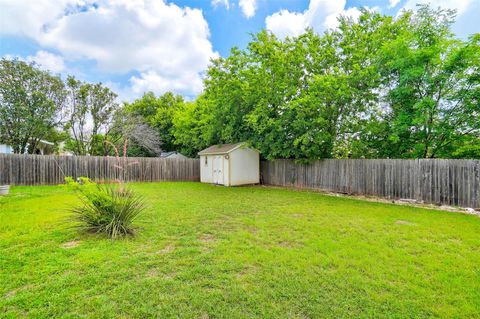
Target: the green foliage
pixel 108 210
pixel 379 86
pixel 105 209
pixel 30 102
pixel 158 112
pixel 58 137
pixel 468 148
pixel 89 102
pixel 376 87
pixel 434 86
pixel 293 98
pixel 82 183
pixel 192 127
pixel 35 105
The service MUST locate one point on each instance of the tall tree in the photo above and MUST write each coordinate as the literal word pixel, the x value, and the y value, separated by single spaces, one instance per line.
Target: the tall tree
pixel 31 104
pixel 305 97
pixel 102 103
pixel 143 140
pixel 433 83
pixel 158 112
pixel 77 111
pixel 192 128
pixel 378 86
pixel 90 112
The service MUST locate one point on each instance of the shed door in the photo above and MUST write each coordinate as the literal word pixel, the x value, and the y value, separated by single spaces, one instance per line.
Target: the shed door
pixel 218 169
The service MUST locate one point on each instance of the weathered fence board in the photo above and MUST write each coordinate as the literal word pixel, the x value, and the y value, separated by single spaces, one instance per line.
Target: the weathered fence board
pixel 438 181
pixel 38 169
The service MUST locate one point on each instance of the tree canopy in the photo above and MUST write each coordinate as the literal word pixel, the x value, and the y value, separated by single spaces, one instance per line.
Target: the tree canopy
pixel 31 101
pixel 401 87
pixel 374 87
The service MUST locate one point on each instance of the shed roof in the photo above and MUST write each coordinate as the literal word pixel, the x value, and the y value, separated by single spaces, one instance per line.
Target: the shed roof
pixel 220 149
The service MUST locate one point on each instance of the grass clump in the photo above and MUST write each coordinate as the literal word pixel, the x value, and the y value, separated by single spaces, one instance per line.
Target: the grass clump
pixel 107 209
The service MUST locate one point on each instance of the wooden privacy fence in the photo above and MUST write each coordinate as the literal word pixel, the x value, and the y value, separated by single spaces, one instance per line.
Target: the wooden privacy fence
pixel 38 169
pixel 447 182
pixel 437 181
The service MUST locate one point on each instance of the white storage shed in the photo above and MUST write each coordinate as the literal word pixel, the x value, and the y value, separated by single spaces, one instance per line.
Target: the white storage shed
pixel 230 165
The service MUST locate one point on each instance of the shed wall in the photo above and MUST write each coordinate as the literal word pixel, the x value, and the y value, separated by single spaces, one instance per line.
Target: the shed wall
pixel 214 169
pixel 244 167
pixel 206 169
pixel 226 171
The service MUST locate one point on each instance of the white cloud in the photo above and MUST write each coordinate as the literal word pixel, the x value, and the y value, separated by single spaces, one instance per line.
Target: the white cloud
pixel 320 15
pixel 285 23
pixel 467 13
pixel 153 81
pixel 28 18
pixel 331 21
pixel 164 43
pixel 459 5
pixel 225 3
pixel 248 7
pixel 393 3
pixel 44 60
pixel 47 61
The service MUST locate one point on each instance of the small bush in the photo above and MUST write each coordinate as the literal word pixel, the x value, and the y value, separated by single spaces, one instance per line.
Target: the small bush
pixel 79 183
pixel 108 209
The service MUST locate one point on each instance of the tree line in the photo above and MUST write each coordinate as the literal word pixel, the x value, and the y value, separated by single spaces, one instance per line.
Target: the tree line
pixel 84 118
pixel 376 87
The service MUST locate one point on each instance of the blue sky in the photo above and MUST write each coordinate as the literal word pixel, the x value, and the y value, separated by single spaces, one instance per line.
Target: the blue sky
pixel 135 46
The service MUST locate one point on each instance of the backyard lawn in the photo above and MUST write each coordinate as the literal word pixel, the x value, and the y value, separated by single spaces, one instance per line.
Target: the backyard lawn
pixel 204 251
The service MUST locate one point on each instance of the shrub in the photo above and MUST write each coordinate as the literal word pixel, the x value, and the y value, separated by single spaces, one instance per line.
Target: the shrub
pixel 108 209
pixel 80 183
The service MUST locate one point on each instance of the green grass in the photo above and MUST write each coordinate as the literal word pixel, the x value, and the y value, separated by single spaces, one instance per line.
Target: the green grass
pixel 249 252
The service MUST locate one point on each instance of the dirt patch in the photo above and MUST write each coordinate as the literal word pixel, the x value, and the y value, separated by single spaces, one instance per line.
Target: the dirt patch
pixel 455 241
pixel 207 242
pixel 167 249
pixel 404 222
pixel 13 292
pixel 247 270
pixel 371 198
pixel 152 273
pixel 207 238
pixel 288 244
pixel 251 229
pixel 298 215
pixel 170 275
pixel 70 244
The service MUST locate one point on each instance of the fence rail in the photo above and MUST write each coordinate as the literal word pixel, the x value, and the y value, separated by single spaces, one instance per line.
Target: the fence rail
pixel 38 169
pixel 437 181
